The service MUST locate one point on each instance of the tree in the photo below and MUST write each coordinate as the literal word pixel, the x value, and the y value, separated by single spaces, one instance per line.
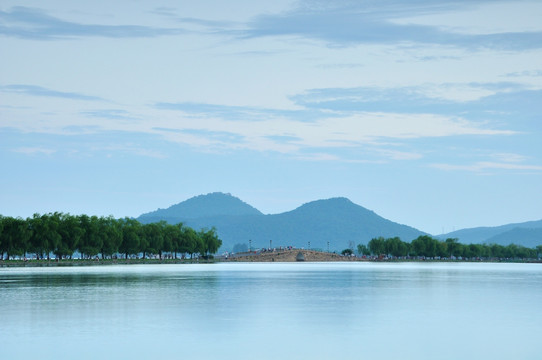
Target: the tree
pixel 418 246
pixel 363 249
pixel 70 232
pixel 510 251
pixel 178 241
pixel 209 241
pixel 452 246
pixel 192 242
pixel 395 247
pixel 172 238
pixel 442 249
pixel 14 237
pixel 496 250
pixel 36 242
pixel 112 237
pixel 92 239
pixel 45 236
pixel 377 246
pixel 425 245
pixel 131 231
pixel 347 252
pixel 2 249
pixel 154 238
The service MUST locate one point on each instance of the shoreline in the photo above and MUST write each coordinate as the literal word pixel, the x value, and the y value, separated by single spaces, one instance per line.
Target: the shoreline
pixel 101 262
pixel 271 256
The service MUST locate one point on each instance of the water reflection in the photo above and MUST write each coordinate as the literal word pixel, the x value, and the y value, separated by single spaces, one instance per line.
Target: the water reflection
pixel 269 311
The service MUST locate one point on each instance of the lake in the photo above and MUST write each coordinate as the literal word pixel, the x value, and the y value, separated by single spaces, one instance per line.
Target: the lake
pixel 273 311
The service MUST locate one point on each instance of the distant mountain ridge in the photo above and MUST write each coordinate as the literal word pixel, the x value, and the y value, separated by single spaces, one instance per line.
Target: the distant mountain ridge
pixel 213 204
pixel 336 222
pixel 525 233
pixel 529 237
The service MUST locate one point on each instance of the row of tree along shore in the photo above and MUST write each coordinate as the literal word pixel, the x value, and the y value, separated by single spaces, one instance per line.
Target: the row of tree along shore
pixel 92 237
pixel 427 247
pixel 105 237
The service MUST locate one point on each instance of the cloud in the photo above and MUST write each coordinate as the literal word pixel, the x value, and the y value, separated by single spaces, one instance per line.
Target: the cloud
pixel 216 136
pixel 353 124
pixel 484 166
pixel 475 100
pixel 132 149
pixel 368 118
pixel 526 73
pixel 497 161
pixel 34 90
pixel 31 23
pixel 347 23
pixel 114 114
pixel 328 131
pixel 236 113
pixel 509 157
pixel 34 150
pixel 284 138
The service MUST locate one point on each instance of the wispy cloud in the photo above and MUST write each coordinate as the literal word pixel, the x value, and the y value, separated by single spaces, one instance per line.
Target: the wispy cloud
pixel 34 90
pixel 346 118
pixel 473 100
pixel 234 113
pixel 525 73
pixel 132 149
pixel 347 130
pixel 509 157
pixel 484 166
pixel 115 114
pixel 493 162
pixel 34 150
pixel 367 22
pixel 36 24
pixel 325 121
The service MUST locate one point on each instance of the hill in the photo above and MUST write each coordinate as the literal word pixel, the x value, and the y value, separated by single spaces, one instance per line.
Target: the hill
pixel 337 221
pixel 529 237
pixel 214 204
pixel 502 235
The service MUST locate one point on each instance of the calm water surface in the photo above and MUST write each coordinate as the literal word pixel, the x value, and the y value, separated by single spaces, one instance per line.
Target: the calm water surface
pixel 273 311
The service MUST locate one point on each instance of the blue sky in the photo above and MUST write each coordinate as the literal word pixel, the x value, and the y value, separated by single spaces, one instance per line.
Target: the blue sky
pixel 427 112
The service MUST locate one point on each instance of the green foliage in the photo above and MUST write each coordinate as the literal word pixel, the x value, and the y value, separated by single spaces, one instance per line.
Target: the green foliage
pixel 112 236
pixel 377 246
pixel 93 235
pixel 153 238
pixel 64 234
pixel 14 236
pixel 45 236
pixel 426 246
pixel 209 241
pixel 347 252
pixel 363 249
pixel 131 233
pixel 70 232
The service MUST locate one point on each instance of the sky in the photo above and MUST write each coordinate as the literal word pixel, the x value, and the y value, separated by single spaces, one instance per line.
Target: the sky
pixel 427 112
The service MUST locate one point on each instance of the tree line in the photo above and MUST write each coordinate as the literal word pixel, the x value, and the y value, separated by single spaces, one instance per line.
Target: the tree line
pixel 426 246
pixel 64 234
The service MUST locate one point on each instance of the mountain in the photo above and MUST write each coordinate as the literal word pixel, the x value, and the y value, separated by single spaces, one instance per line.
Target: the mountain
pixel 529 237
pixel 518 233
pixel 202 206
pixel 337 221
